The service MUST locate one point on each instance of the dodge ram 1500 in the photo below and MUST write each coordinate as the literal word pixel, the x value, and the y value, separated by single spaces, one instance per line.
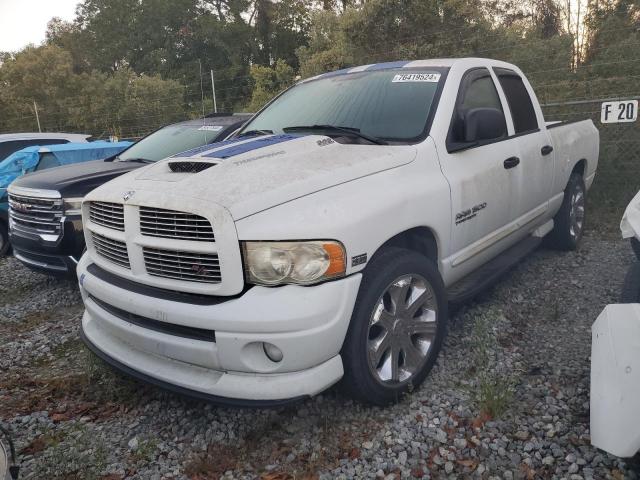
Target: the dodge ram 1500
pixel 327 239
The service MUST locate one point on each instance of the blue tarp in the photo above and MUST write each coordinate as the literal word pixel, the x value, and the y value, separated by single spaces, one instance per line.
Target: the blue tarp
pixel 26 160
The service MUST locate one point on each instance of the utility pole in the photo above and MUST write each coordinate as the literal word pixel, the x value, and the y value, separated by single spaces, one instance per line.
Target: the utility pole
pixel 35 108
pixel 201 91
pixel 213 89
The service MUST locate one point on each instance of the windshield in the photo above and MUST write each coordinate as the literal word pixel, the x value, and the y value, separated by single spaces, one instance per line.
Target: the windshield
pixel 390 104
pixel 171 140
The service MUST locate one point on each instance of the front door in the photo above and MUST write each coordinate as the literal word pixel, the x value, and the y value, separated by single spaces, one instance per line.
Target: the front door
pixel 483 178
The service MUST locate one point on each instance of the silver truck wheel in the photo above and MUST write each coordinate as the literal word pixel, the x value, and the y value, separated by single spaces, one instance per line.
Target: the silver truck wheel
pixel 402 329
pixel 576 214
pixel 397 327
pixel 568 224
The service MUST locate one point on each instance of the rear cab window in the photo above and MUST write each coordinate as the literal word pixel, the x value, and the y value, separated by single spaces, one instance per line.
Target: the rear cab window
pixel 47 160
pixel 519 100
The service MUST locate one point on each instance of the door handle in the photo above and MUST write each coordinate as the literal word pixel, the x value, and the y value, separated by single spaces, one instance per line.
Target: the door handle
pixel 511 162
pixel 546 150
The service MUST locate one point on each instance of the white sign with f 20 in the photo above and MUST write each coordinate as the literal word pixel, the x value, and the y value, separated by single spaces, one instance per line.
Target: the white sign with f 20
pixel 618 112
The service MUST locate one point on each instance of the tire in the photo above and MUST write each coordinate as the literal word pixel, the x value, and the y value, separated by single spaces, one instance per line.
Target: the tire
pixel 635 246
pixel 4 240
pixel 631 286
pixel 376 330
pixel 568 224
pixel 633 463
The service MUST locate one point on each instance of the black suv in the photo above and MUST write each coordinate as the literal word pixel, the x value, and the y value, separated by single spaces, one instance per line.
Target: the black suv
pixel 47 233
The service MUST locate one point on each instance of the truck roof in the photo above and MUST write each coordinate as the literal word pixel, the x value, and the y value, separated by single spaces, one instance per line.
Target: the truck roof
pixel 72 137
pixel 433 62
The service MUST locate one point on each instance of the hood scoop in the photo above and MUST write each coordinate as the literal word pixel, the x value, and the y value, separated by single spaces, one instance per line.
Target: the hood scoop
pixel 190 167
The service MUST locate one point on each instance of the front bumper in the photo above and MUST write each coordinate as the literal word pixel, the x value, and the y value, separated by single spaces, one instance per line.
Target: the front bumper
pixel 165 341
pixel 46 263
pixel 58 257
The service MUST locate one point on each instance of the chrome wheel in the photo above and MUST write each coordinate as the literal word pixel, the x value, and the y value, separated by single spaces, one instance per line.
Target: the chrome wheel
pixel 576 213
pixel 402 329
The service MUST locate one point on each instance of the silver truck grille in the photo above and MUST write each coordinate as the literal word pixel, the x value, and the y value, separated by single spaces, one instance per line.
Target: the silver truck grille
pixel 187 266
pixel 110 215
pixel 113 250
pixel 39 216
pixel 158 222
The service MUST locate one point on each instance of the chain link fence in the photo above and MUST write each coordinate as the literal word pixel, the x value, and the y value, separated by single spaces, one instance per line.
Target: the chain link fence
pixel 618 176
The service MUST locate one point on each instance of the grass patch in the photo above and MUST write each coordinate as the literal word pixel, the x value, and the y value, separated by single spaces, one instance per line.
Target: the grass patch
pixel 70 348
pixel 80 455
pixel 49 438
pixel 492 388
pixel 13 295
pixel 271 444
pixel 145 452
pixel 107 385
pixel 78 384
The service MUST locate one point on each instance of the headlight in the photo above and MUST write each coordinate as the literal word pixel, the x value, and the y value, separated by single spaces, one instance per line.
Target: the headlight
pixel 276 263
pixel 73 206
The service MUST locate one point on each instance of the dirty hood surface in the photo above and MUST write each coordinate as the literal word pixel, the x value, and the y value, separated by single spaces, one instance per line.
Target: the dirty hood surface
pixel 249 175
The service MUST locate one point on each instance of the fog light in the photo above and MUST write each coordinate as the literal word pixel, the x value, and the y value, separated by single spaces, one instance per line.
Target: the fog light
pixel 273 352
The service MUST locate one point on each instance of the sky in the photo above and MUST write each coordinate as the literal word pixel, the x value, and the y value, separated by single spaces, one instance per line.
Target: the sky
pixel 25 21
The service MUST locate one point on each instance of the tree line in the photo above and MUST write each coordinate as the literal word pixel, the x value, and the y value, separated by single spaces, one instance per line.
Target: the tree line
pixel 126 67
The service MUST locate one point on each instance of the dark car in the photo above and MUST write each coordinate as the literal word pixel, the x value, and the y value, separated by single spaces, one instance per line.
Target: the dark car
pixel 47 234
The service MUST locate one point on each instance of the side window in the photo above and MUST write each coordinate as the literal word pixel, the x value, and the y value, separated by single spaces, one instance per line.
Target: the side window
pixel 7 148
pixel 477 91
pixel 522 111
pixel 48 160
pixel 46 141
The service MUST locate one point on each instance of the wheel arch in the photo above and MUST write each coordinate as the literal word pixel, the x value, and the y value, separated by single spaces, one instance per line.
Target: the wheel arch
pixel 422 240
pixel 580 167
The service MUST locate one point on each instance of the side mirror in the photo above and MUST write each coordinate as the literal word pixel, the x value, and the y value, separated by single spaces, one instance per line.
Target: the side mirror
pixel 484 124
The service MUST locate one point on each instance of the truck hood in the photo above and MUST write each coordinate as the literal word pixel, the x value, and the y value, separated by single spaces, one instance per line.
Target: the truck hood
pixel 78 179
pixel 247 176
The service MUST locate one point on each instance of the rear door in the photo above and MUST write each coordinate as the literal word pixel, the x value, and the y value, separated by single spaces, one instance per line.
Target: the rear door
pixel 534 145
pixel 482 188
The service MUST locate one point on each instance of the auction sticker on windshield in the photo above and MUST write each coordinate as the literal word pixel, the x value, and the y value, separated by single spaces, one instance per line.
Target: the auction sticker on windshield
pixel 416 77
pixel 211 128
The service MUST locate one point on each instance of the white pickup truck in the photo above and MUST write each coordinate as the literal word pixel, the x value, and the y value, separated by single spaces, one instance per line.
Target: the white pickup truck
pixel 326 239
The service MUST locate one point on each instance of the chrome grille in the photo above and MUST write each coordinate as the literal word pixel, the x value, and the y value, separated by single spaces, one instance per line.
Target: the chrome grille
pixel 39 216
pixel 110 215
pixel 158 222
pixel 188 266
pixel 113 250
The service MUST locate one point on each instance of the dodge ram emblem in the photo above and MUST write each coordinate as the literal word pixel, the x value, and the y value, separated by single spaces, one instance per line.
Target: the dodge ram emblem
pixel 199 269
pixel 127 195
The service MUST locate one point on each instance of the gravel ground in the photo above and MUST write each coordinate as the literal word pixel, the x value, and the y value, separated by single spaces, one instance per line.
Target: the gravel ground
pixel 508 398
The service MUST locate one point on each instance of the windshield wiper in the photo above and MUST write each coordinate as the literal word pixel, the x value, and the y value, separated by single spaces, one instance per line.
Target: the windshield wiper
pixel 136 160
pixel 255 132
pixel 352 131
